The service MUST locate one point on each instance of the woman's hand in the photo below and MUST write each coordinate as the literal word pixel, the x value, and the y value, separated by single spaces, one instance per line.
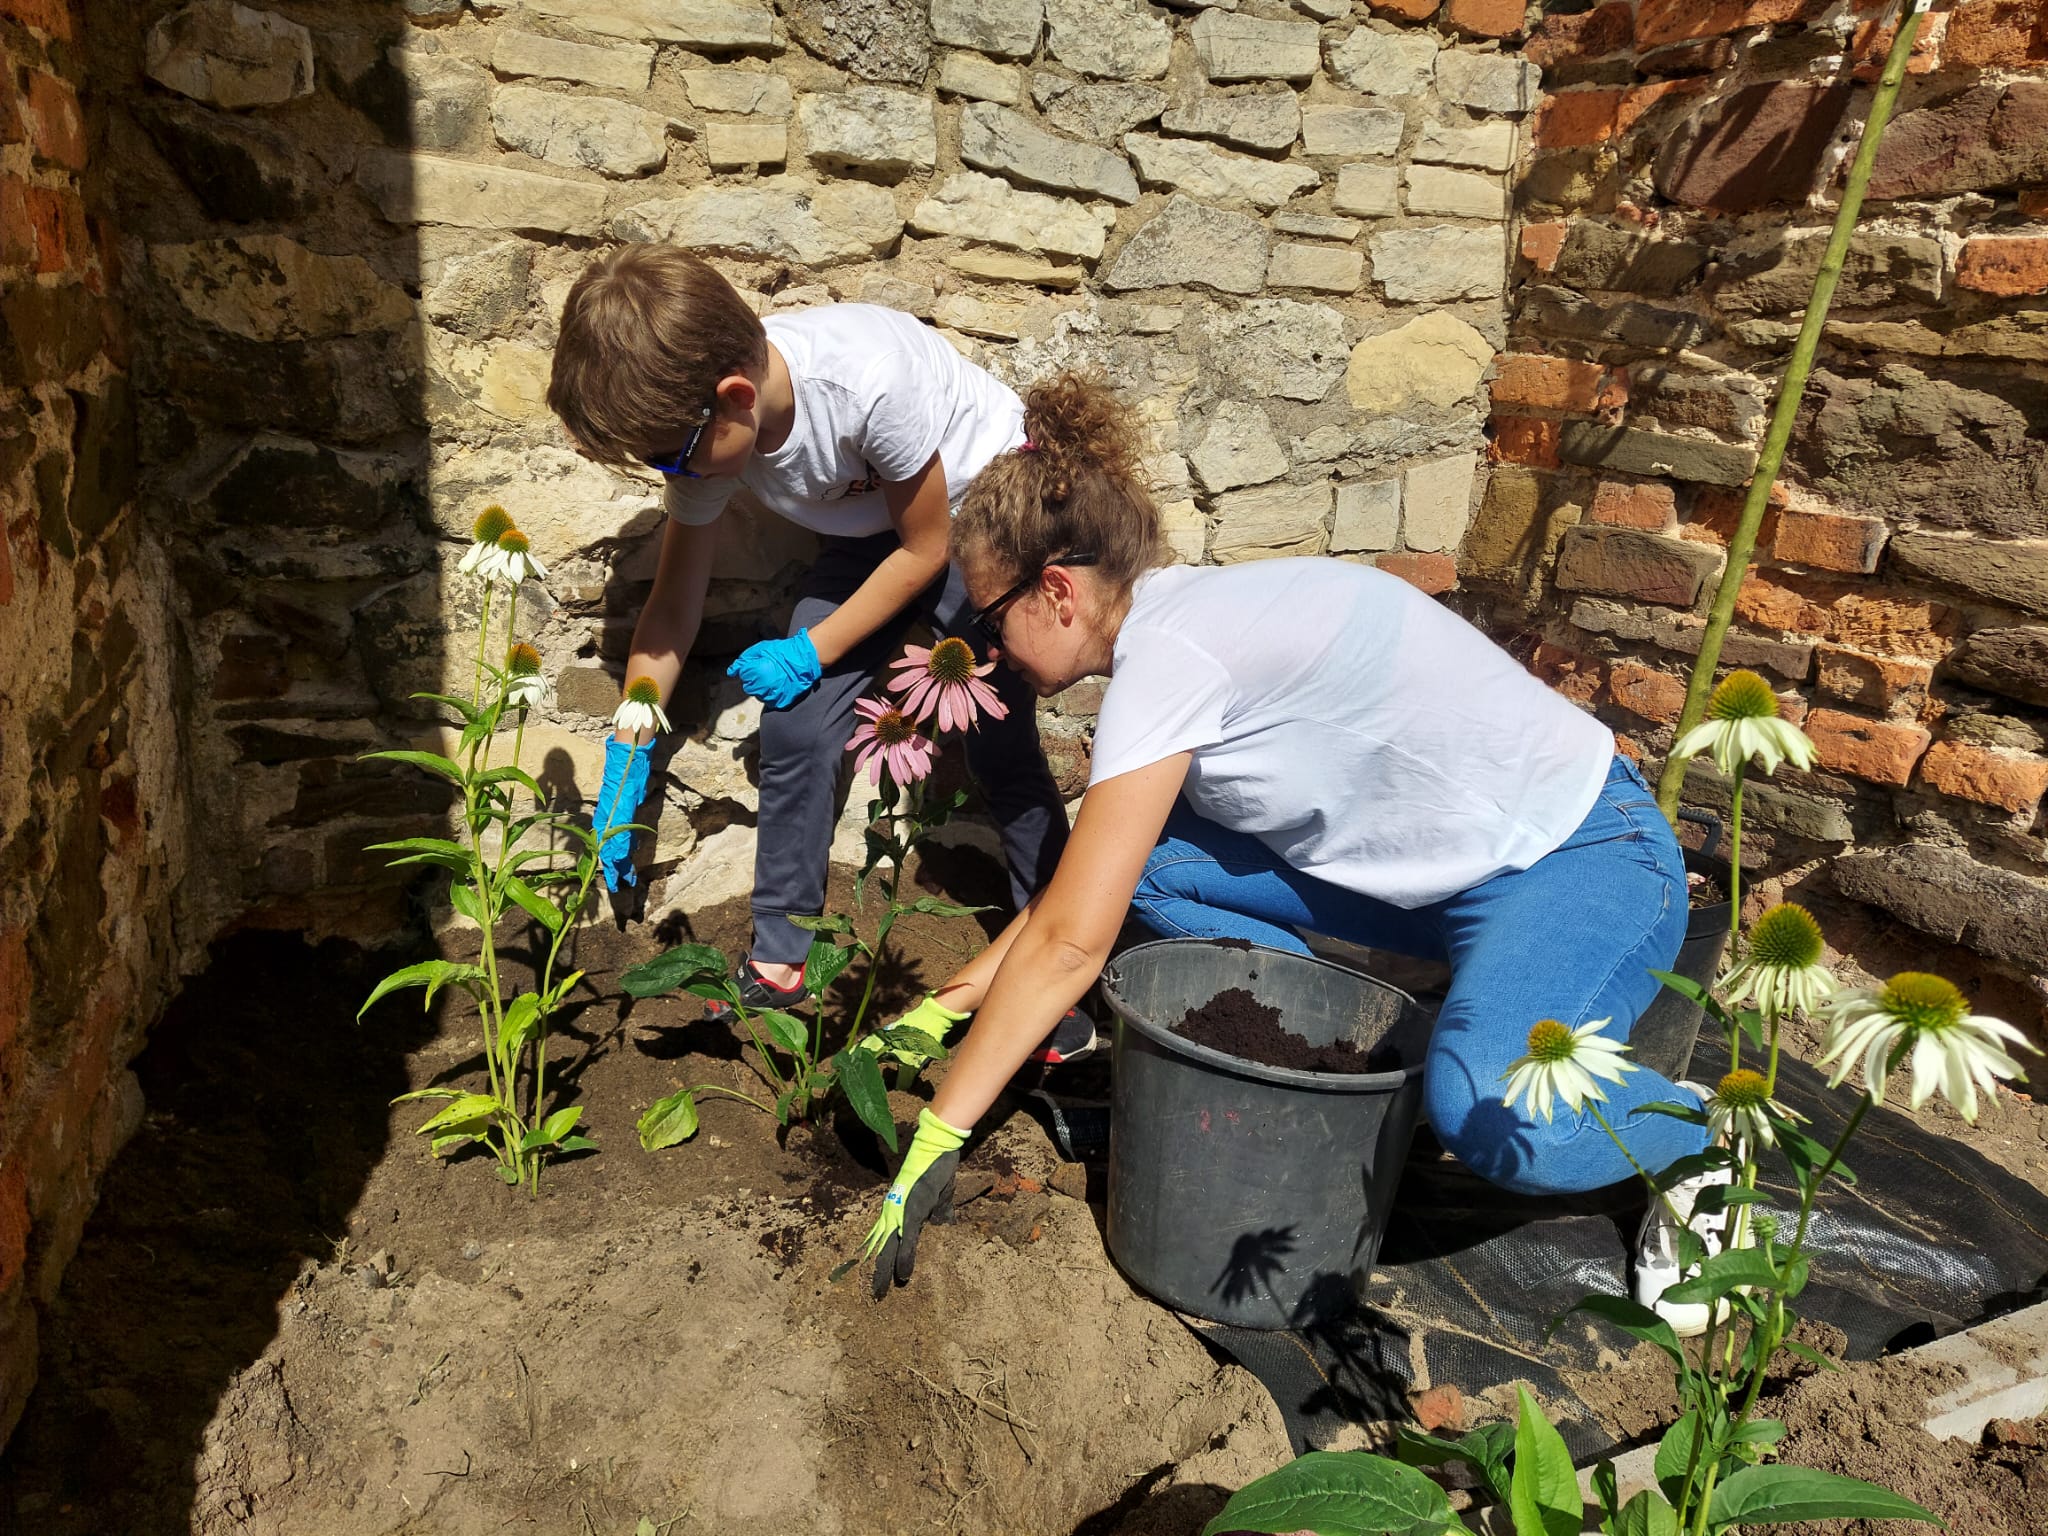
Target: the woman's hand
pixel 923 1192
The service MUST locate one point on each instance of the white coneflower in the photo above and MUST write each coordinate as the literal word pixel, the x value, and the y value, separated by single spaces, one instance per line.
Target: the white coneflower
pixel 524 685
pixel 513 559
pixel 640 708
pixel 1953 1051
pixel 1781 972
pixel 482 553
pixel 1741 1109
pixel 1561 1065
pixel 1742 726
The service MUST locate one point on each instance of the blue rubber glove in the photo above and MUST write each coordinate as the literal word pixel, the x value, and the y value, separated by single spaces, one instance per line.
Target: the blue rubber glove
pixel 625 786
pixel 778 672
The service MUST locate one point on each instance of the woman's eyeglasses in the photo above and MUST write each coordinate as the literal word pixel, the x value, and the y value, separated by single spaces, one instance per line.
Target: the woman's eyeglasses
pixel 988 623
pixel 680 463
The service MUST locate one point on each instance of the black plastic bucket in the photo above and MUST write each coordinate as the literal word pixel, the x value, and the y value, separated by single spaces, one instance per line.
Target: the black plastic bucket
pixel 1239 1192
pixel 1663 1038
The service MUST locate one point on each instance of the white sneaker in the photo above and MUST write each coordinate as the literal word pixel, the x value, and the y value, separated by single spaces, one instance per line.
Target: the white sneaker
pixel 1656 1259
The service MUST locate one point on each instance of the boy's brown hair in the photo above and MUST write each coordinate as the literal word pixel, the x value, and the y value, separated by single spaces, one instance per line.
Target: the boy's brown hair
pixel 646 334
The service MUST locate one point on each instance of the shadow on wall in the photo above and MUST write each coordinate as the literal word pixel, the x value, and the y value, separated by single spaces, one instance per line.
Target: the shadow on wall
pixel 277 372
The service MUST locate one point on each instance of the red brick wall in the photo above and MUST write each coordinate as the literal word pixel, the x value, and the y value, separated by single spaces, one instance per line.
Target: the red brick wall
pixel 90 813
pixel 1677 187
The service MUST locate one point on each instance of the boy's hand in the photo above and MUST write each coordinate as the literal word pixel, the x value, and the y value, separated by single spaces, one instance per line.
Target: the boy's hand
pixel 778 672
pixel 625 786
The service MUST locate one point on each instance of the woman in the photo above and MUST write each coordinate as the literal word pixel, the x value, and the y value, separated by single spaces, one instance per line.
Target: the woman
pixel 1302 744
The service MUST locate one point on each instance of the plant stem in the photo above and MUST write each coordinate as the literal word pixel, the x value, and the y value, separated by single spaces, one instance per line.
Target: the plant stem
pixel 732 1093
pixel 1791 390
pixel 483 631
pixel 1735 905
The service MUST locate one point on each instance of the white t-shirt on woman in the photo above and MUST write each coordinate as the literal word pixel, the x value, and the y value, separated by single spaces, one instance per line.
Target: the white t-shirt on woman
pixel 1365 733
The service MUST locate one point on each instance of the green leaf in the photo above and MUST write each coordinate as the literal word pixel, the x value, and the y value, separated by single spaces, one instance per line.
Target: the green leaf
pixel 678 967
pixel 1810 1355
pixel 1721 1273
pixel 433 762
pixel 789 1031
pixel 831 922
pixel 431 974
pixel 577 1144
pixel 442 1146
pixel 931 906
pixel 429 1093
pixel 1647 1514
pixel 561 989
pixel 1809 1156
pixel 471 1107
pixel 669 1121
pixel 1543 1496
pixel 1773 1493
pixel 439 845
pixel 511 1176
pixel 902 1040
pixel 823 965
pixel 1485 1449
pixel 861 1080
pixel 1631 1317
pixel 1606 1493
pixel 551 1130
pixel 1339 1493
pixel 1674 1451
pixel 1752 1024
pixel 535 905
pixel 1689 1111
pixel 464 899
pixel 461 706
pixel 1760 1432
pixel 509 774
pixel 521 1024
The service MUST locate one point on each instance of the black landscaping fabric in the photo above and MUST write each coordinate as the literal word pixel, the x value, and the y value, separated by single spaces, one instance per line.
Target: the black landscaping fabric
pixel 1932 1238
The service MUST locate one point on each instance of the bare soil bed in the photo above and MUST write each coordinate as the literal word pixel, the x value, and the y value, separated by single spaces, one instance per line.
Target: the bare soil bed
pixel 287 1317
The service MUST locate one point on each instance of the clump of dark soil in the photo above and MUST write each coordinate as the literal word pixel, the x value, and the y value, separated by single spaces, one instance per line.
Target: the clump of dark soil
pixel 1238 1024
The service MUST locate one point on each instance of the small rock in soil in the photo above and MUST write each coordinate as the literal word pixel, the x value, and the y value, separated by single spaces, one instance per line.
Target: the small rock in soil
pixel 1440 1408
pixel 1071 1180
pixel 371 1280
pixel 472 1250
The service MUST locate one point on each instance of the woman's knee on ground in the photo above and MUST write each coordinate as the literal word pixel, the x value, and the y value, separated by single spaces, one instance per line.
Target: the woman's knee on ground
pixel 1508 1147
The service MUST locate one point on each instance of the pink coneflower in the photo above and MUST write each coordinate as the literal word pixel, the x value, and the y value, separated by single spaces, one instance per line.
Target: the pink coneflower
pixel 945 679
pixel 888 738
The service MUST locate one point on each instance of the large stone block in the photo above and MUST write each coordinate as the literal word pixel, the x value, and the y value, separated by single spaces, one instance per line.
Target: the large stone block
pixel 1882 751
pixel 712 24
pixel 1006 28
pixel 482 293
pixel 1601 256
pixel 271 288
pixel 1623 562
pixel 979 79
pixel 1436 501
pixel 1091 109
pixel 2009 662
pixel 1500 83
pixel 2010 266
pixel 1216 175
pixel 1460 194
pixel 2014 575
pixel 1230 47
pixel 738 91
pixel 517 54
pixel 1111 39
pixel 1266 120
pixel 1632 451
pixel 1368 517
pixel 1237 448
pixel 872 128
pixel 1754 148
pixel 1438 263
pixel 1326 269
pixel 1775 807
pixel 1270 523
pixel 1351 132
pixel 1988 137
pixel 994 138
pixel 1515 534
pixel 426 189
pixel 1946 893
pixel 588 132
pixel 1189 244
pixel 1385 63
pixel 1772 271
pixel 1276 347
pixel 1561 312
pixel 735 146
pixel 1967 772
pixel 870 39
pixel 978 207
pixel 1370 191
pixel 230 55
pixel 1436 358
pixel 242 171
pixel 51 332
pixel 783 217
pixel 1488 146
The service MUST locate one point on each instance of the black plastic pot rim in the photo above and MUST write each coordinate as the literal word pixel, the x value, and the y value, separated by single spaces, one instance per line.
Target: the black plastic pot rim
pixel 1238 1066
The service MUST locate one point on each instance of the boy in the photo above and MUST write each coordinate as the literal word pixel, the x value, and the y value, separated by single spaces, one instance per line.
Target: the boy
pixel 856 422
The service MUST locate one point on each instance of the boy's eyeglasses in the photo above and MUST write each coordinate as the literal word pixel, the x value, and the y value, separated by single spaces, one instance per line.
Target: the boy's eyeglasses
pixel 988 623
pixel 680 463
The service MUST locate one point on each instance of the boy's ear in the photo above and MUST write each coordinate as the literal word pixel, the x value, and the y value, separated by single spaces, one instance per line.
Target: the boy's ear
pixel 736 393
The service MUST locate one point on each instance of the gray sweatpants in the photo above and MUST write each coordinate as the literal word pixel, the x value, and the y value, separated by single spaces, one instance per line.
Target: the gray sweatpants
pixel 803 753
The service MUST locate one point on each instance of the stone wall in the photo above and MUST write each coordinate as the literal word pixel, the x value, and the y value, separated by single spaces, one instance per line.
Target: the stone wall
pixel 92 811
pixel 1686 159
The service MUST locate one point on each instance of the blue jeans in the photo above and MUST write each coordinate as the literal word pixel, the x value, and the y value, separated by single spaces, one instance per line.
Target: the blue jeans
pixel 1573 937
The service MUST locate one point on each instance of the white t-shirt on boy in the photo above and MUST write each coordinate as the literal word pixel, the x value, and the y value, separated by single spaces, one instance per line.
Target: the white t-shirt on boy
pixel 877 394
pixel 1365 733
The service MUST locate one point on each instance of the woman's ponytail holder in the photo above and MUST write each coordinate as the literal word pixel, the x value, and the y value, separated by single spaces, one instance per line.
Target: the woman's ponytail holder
pixel 1027 446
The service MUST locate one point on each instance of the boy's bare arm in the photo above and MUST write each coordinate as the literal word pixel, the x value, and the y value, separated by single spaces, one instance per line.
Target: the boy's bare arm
pixel 923 519
pixel 668 624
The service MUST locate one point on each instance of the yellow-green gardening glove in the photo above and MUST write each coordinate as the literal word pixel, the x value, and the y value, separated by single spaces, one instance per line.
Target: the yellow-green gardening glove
pixel 923 1192
pixel 929 1017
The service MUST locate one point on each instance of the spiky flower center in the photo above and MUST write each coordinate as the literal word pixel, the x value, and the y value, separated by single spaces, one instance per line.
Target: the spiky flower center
pixel 1786 937
pixel 1922 1002
pixel 513 542
pixel 490 524
pixel 522 660
pixel 952 661
pixel 1742 695
pixel 1743 1089
pixel 1550 1041
pixel 643 690
pixel 893 728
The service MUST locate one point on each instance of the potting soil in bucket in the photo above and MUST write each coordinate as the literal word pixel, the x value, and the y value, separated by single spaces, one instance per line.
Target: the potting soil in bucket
pixel 1243 1192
